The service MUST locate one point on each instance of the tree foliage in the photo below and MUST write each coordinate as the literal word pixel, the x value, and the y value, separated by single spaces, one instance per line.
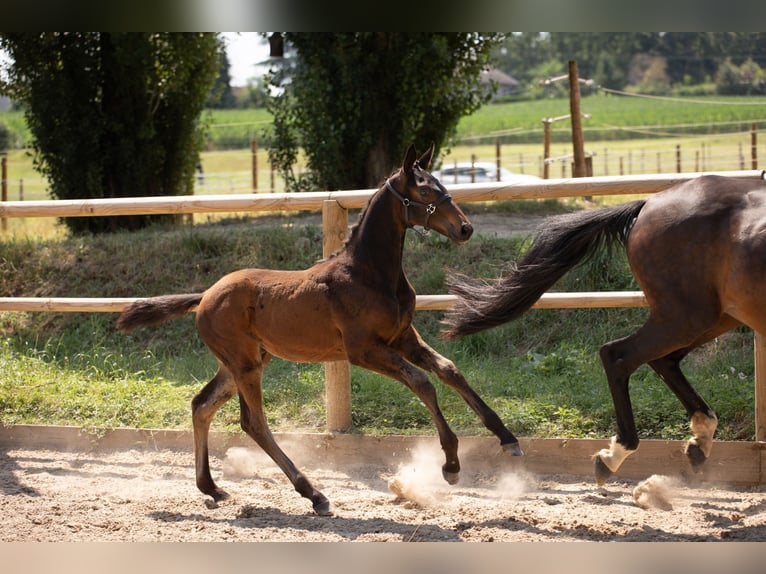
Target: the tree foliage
pixel 609 58
pixel 354 101
pixel 113 114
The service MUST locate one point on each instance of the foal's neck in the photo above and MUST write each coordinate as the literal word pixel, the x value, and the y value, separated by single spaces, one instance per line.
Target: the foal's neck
pixel 377 242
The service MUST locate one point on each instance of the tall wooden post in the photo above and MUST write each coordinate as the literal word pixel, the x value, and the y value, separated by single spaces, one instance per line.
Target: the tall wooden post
pixel 760 387
pixel 337 373
pixel 579 168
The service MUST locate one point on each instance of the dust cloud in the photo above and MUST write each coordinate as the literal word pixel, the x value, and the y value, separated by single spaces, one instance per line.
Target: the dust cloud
pixel 657 491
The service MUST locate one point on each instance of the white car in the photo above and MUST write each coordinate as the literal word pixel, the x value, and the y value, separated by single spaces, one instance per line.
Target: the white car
pixel 482 172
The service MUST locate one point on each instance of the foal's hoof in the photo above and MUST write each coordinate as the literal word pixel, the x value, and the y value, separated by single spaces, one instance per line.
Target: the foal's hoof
pixel 601 471
pixel 451 477
pixel 323 508
pixel 512 448
pixel 696 457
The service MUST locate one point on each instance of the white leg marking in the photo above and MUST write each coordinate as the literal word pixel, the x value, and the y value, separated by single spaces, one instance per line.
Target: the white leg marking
pixel 703 428
pixel 615 455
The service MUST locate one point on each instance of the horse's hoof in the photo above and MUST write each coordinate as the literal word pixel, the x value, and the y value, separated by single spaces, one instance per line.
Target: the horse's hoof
pixel 217 495
pixel 451 477
pixel 220 495
pixel 322 508
pixel 696 457
pixel 601 471
pixel 513 448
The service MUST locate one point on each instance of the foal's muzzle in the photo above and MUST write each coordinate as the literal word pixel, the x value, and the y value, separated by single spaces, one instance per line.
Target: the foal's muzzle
pixel 466 230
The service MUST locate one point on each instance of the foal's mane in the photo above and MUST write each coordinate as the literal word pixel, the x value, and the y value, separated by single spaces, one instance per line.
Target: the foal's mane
pixel 355 227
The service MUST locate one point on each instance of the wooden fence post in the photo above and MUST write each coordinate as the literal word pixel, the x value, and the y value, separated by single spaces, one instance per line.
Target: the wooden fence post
pixel 754 145
pixel 337 373
pixel 760 386
pixel 579 169
pixel 4 186
pixel 254 152
pixel 497 158
pixel 546 147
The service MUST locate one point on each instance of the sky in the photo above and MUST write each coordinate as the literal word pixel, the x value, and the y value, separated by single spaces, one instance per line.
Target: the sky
pixel 245 50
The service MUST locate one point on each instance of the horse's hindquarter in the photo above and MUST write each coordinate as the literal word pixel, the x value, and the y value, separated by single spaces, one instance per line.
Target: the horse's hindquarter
pixel 701 245
pixel 746 277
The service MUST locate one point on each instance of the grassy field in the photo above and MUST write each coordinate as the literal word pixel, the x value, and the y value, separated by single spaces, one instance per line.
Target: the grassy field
pixel 625 135
pixel 540 373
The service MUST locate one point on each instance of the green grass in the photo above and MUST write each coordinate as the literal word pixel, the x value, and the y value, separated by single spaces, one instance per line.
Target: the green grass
pixel 614 118
pixel 627 135
pixel 541 373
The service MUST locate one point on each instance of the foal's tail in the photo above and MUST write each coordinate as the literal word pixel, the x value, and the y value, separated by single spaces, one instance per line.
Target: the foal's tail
pixel 156 310
pixel 562 242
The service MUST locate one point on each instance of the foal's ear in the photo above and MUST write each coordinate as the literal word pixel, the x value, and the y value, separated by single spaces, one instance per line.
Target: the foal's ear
pixel 409 159
pixel 425 159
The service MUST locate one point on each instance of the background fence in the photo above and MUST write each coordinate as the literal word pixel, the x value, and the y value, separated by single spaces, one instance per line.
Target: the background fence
pixel 334 206
pixel 249 170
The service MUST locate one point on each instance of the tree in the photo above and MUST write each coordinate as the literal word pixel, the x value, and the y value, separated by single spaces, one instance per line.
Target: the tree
pixel 221 96
pixel 355 101
pixel 747 79
pixel 113 114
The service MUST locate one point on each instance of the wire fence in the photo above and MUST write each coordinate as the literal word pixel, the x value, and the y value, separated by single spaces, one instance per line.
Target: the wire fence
pixel 247 170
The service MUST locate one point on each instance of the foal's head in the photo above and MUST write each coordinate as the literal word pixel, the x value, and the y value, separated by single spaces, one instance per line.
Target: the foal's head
pixel 426 202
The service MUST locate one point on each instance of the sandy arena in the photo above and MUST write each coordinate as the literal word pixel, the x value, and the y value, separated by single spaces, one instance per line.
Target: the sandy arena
pixel 148 494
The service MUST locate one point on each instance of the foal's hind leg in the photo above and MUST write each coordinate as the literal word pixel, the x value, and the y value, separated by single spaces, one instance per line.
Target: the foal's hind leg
pixel 204 406
pixel 417 351
pixel 254 423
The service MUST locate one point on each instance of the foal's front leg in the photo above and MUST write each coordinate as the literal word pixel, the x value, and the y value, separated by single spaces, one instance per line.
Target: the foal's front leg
pixel 388 362
pixel 415 350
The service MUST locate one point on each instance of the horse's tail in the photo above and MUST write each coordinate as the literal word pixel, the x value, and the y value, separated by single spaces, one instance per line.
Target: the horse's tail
pixel 155 310
pixel 562 242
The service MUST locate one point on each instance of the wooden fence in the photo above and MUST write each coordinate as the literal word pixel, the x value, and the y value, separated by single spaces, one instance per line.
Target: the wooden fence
pixel 334 206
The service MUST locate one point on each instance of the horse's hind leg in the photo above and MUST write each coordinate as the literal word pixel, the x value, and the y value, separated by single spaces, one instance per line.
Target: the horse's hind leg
pixel 204 406
pixel 254 423
pixel 703 420
pixel 415 350
pixel 654 341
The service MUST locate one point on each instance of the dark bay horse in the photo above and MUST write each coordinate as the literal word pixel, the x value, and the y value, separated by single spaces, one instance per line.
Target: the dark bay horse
pixel 356 305
pixel 698 252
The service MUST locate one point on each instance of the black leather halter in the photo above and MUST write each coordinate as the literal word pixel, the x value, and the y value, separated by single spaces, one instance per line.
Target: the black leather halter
pixel 406 202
